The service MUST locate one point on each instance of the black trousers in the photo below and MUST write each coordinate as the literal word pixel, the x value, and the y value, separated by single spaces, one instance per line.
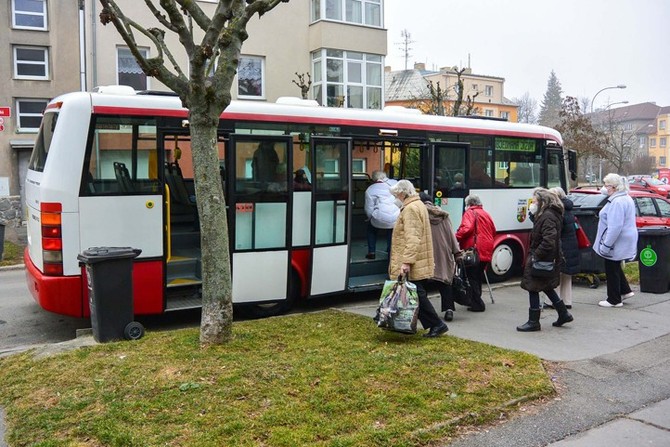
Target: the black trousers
pixel 446 296
pixel 476 278
pixel 617 284
pixel 427 315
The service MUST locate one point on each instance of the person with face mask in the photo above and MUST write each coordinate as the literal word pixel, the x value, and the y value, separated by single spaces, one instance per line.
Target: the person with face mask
pixel 547 211
pixel 616 238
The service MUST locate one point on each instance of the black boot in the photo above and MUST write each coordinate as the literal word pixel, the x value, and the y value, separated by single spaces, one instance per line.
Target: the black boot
pixel 533 323
pixel 563 314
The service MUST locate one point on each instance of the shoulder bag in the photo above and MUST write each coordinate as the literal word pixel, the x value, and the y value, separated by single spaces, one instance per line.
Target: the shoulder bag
pixel 471 255
pixel 544 269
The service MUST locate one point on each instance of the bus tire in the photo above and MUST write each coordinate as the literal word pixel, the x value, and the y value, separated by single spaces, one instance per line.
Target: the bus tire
pixel 265 310
pixel 133 331
pixel 504 262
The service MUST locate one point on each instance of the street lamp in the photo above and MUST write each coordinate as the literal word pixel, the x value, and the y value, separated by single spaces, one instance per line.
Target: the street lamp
pixel 602 90
pixel 615 103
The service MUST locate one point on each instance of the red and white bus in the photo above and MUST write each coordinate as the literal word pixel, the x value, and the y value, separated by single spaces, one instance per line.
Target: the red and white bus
pixel 113 168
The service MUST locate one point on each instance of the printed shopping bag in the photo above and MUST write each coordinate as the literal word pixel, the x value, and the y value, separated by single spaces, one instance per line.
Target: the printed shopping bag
pixel 398 309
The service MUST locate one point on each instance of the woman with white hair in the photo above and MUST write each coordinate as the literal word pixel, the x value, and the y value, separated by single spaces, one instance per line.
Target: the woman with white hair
pixel 412 252
pixel 381 210
pixel 616 238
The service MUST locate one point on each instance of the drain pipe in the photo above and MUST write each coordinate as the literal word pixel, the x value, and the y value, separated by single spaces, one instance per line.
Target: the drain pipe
pixel 82 47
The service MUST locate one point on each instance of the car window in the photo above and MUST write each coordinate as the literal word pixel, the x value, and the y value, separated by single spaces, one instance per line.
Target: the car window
pixel 646 206
pixel 654 181
pixel 664 207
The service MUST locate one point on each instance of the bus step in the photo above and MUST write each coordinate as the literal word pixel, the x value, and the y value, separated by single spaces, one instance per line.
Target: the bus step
pixel 183 267
pixel 183 299
pixel 368 267
pixel 178 282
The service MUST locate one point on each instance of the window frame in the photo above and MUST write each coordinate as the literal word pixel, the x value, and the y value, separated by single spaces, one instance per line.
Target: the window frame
pixel 262 94
pixel 146 53
pixel 371 11
pixel 662 142
pixel 43 14
pixel 20 115
pixel 17 62
pixel 488 90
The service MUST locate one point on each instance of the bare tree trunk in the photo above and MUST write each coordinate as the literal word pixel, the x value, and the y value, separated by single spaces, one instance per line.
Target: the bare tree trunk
pixel 217 306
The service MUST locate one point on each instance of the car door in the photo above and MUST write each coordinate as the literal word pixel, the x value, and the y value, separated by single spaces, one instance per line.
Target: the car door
pixel 646 212
pixel 663 206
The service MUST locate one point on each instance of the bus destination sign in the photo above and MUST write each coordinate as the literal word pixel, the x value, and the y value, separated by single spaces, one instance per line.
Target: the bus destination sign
pixel 515 145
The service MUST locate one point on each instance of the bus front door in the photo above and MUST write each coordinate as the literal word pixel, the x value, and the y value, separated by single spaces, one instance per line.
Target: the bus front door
pixel 450 178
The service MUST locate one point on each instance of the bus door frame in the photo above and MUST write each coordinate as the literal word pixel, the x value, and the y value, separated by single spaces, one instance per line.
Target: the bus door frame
pixel 258 275
pixel 452 201
pixel 330 263
pixel 544 176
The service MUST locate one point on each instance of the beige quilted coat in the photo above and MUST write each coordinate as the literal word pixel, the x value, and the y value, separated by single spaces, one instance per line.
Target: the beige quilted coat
pixel 412 242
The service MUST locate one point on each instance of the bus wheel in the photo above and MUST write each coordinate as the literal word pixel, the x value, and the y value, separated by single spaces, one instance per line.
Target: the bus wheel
pixel 273 309
pixel 133 331
pixel 503 262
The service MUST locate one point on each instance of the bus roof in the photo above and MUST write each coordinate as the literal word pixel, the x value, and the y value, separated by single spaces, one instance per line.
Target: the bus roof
pixel 120 102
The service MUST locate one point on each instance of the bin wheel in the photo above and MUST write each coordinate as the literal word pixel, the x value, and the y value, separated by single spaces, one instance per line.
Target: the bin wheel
pixel 595 282
pixel 133 331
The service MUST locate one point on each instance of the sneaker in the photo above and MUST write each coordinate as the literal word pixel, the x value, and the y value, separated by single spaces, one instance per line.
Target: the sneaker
pixel 627 295
pixel 449 315
pixel 606 303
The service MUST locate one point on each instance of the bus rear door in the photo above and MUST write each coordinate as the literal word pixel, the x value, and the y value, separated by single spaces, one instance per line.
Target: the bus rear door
pixel 330 215
pixel 450 178
pixel 259 186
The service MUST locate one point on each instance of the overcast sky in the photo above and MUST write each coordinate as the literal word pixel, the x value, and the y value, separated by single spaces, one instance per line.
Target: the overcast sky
pixel 590 44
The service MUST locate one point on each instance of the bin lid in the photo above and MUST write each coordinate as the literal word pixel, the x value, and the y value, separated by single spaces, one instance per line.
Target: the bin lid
pixel 654 231
pixel 587 201
pixel 99 254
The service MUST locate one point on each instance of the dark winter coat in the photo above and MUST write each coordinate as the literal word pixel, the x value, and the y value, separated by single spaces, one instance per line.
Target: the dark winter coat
pixel 544 246
pixel 569 245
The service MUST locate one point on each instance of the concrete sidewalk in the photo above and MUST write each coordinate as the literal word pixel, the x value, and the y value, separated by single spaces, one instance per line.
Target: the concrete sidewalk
pixel 614 368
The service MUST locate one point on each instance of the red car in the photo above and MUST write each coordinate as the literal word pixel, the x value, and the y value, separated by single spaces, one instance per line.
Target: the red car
pixel 650 209
pixel 648 183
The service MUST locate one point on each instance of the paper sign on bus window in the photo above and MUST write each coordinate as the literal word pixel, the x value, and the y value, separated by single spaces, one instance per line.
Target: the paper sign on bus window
pixel 244 207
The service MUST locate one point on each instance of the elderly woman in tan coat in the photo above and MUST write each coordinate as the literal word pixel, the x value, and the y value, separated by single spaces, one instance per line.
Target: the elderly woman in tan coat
pixel 412 252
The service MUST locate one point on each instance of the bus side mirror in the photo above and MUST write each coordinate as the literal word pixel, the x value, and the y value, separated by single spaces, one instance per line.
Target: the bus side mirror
pixel 572 164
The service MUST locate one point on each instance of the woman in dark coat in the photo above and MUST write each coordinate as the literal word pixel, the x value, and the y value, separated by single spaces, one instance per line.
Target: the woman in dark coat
pixel 569 248
pixel 547 210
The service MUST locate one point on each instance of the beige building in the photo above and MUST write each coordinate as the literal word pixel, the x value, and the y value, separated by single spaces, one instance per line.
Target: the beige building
pixel 50 47
pixel 409 88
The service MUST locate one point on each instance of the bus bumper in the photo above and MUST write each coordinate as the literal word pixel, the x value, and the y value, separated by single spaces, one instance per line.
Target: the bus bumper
pixel 58 294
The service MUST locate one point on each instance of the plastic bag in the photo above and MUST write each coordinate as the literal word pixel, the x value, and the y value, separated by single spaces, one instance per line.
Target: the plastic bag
pixel 398 309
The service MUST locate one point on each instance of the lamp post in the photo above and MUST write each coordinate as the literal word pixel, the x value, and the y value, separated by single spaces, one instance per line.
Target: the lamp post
pixel 600 167
pixel 615 103
pixel 602 90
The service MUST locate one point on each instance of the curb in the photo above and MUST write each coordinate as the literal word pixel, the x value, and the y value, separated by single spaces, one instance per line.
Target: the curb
pixel 12 267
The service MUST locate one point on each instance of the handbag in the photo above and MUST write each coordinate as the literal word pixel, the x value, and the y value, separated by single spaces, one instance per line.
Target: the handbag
pixel 582 239
pixel 542 269
pixel 398 309
pixel 460 286
pixel 471 255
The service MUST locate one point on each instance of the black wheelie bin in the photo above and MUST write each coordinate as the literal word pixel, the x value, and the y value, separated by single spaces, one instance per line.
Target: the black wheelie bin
pixel 586 207
pixel 653 248
pixel 110 292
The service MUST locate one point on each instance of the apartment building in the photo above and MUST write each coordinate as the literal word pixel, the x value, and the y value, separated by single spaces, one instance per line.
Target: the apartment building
pixel 53 46
pixel 659 139
pixel 409 88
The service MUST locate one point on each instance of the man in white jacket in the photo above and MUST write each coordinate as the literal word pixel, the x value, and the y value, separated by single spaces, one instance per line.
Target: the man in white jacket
pixel 381 210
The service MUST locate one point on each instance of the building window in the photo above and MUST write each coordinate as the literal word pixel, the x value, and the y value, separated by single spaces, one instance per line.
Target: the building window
pixel 31 63
pixel 504 115
pixel 364 12
pixel 128 71
pixel 662 141
pixel 29 14
pixel 251 77
pixel 347 79
pixel 642 140
pixel 652 142
pixel 475 87
pixel 661 125
pixel 661 161
pixel 489 90
pixel 29 114
pixel 488 112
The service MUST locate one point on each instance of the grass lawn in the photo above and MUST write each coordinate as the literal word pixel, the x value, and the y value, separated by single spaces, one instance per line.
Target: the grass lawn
pixel 12 254
pixel 321 379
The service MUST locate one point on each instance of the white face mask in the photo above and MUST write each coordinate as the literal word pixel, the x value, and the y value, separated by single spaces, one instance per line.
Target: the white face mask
pixel 533 208
pixel 604 191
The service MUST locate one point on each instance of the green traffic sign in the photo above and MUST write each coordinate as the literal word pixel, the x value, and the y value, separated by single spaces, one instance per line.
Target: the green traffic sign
pixel 648 257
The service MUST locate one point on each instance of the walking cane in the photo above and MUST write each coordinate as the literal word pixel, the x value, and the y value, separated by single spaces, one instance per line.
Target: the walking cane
pixel 488 284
